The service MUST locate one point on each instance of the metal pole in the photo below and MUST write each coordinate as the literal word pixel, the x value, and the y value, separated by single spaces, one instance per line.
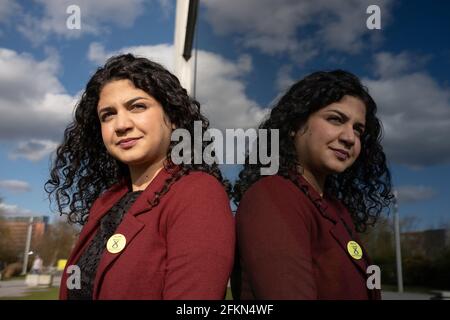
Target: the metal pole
pixel 194 88
pixel 398 252
pixel 185 22
pixel 27 246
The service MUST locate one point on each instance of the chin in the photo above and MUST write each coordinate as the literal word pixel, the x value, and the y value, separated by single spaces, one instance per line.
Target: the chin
pixel 128 159
pixel 132 161
pixel 337 168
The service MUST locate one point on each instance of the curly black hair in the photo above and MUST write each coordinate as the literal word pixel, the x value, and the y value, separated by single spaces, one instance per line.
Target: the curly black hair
pixel 365 187
pixel 83 169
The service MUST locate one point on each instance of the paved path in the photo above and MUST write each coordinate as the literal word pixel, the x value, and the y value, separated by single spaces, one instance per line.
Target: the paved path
pixel 391 295
pixel 18 288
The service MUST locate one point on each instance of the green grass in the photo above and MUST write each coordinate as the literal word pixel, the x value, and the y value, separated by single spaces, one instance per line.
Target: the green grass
pixel 229 296
pixel 47 294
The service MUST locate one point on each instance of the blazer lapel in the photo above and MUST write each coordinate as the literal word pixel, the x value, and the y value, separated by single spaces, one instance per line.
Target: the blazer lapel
pixel 98 210
pixel 341 235
pixel 338 231
pixel 374 294
pixel 100 207
pixel 129 227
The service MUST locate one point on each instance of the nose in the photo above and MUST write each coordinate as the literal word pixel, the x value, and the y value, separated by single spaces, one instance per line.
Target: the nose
pixel 347 136
pixel 123 123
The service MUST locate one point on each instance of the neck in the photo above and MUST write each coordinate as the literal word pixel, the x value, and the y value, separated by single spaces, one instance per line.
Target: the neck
pixel 317 182
pixel 142 175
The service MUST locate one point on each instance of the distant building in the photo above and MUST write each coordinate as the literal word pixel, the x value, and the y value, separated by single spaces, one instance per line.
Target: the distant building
pixel 428 242
pixel 18 229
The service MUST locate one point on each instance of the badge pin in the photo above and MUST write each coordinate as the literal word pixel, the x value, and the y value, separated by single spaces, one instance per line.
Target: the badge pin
pixel 116 243
pixel 354 249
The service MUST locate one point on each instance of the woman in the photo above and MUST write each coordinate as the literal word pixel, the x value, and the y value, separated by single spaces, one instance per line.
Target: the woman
pixel 151 229
pixel 296 230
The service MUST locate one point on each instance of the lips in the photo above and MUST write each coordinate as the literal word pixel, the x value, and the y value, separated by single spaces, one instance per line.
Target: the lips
pixel 127 143
pixel 341 154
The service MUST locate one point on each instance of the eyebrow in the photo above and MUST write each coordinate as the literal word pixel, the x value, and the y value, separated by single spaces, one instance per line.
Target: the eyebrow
pixel 127 103
pixel 346 118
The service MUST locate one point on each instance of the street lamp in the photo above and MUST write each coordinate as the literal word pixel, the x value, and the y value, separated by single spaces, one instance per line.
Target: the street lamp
pixel 398 252
pixel 27 251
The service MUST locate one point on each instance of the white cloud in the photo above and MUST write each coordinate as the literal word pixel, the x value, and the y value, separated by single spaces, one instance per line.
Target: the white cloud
pixel 15 185
pixel 33 103
pixel 33 150
pixel 221 91
pixel 97 54
pixel 167 6
pixel 162 53
pixel 300 28
pixel 95 16
pixel 7 9
pixel 410 194
pixel 16 211
pixel 414 109
pixel 388 65
pixel 284 78
pixel 220 87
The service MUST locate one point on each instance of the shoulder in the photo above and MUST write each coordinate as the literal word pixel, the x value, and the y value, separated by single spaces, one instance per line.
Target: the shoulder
pixel 274 198
pixel 199 188
pixel 201 198
pixel 198 182
pixel 196 179
pixel 271 188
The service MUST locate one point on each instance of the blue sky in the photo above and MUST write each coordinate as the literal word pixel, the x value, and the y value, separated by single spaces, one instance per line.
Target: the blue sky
pixel 250 51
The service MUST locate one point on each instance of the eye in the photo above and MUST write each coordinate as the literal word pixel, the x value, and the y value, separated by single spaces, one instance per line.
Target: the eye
pixel 359 131
pixel 106 115
pixel 139 106
pixel 335 119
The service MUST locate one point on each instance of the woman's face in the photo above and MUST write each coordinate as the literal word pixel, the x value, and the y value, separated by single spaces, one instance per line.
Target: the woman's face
pixel 330 140
pixel 135 129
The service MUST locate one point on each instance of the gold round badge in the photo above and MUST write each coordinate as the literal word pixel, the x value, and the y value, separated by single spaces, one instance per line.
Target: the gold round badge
pixel 116 243
pixel 354 250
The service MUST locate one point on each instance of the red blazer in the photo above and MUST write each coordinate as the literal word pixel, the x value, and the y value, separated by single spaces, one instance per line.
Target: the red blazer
pixel 289 249
pixel 181 249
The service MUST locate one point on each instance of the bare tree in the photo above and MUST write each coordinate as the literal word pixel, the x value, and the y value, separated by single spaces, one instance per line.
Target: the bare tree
pixel 57 242
pixel 7 254
pixel 379 240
